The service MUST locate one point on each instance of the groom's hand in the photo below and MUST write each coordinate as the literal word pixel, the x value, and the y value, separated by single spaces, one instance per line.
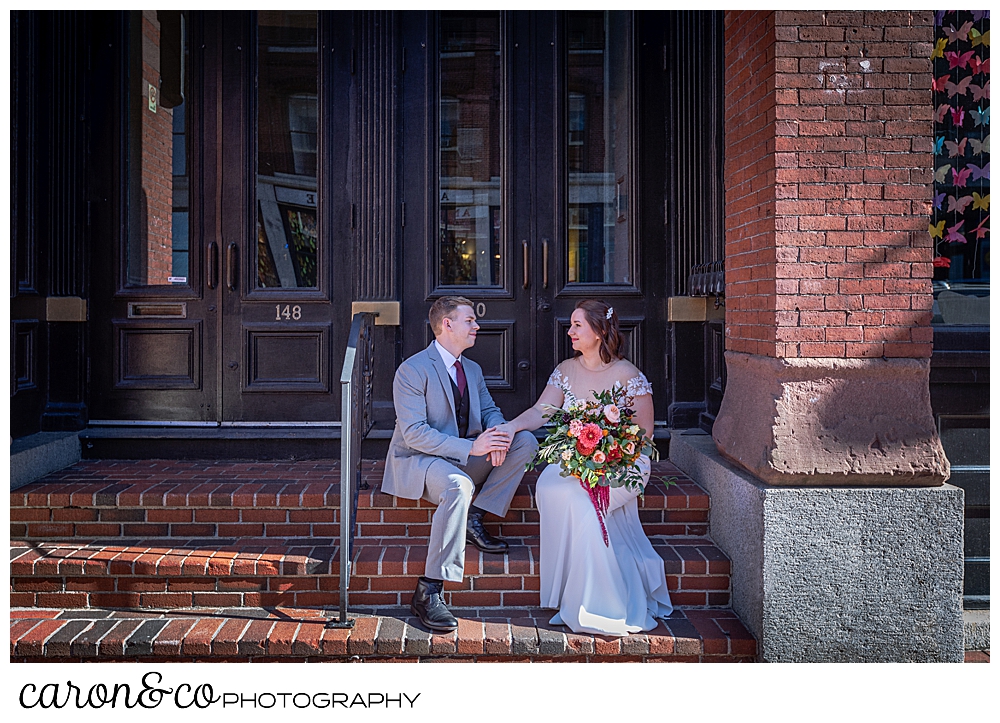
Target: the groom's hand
pixel 489 441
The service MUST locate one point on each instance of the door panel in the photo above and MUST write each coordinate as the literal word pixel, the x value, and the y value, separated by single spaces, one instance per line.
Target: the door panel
pixel 281 360
pixel 225 304
pixel 568 224
pixel 458 128
pixel 155 323
pixel 158 357
pixel 285 301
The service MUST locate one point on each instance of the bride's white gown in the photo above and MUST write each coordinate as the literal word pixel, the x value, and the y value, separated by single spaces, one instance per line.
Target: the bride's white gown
pixel 611 590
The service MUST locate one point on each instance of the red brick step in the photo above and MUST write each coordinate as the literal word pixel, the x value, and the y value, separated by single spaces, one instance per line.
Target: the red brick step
pixel 287 635
pixel 186 499
pixel 172 573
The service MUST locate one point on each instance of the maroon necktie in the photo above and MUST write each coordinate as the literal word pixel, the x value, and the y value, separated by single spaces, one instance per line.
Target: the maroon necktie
pixel 460 378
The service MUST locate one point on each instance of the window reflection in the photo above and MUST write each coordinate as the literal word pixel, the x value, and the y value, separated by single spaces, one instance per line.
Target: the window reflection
pixel 597 146
pixel 287 122
pixel 469 149
pixel 158 245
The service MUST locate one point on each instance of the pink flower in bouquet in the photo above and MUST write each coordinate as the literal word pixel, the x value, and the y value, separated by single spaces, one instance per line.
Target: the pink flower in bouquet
pixel 630 448
pixel 575 427
pixel 612 413
pixel 599 457
pixel 590 435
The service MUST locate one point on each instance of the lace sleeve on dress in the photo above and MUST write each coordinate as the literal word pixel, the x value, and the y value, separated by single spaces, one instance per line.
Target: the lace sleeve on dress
pixel 638 386
pixel 557 379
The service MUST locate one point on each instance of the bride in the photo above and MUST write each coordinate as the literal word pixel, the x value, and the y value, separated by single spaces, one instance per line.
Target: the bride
pixel 612 589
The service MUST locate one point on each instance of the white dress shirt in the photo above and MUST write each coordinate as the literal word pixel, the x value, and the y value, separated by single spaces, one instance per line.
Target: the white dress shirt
pixel 449 361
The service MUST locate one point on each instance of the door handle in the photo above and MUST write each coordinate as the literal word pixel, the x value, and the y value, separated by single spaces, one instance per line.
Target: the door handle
pixel 524 259
pixel 213 265
pixel 545 263
pixel 231 266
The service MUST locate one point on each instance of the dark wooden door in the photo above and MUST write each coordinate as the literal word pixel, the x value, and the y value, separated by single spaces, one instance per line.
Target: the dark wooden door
pixel 155 321
pixel 285 243
pixel 459 110
pixel 537 122
pixel 230 293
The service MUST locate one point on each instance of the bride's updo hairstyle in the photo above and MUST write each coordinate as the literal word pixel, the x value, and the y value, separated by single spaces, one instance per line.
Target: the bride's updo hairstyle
pixel 597 316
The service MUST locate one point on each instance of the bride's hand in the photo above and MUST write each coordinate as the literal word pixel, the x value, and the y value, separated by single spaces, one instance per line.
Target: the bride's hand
pixel 508 429
pixel 497 457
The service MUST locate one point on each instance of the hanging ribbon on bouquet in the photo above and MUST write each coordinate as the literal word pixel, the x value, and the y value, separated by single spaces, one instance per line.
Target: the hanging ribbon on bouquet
pixel 600 497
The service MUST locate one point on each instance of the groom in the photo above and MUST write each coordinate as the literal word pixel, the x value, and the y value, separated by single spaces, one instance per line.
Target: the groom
pixel 446 444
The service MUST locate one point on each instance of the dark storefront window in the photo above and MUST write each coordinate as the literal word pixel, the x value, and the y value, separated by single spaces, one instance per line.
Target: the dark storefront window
pixel 469 150
pixel 960 222
pixel 287 151
pixel 598 146
pixel 158 244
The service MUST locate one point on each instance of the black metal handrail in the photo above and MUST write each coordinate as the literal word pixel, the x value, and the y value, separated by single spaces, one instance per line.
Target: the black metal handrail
pixel 355 423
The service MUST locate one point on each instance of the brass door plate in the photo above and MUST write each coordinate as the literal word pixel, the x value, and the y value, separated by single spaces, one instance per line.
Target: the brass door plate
pixel 388 311
pixel 65 308
pixel 693 308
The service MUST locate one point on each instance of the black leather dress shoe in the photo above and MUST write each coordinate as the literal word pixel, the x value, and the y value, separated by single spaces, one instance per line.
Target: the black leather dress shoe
pixel 478 536
pixel 428 605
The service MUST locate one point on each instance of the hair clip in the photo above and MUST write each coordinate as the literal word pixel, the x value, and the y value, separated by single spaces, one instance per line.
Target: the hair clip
pixel 611 310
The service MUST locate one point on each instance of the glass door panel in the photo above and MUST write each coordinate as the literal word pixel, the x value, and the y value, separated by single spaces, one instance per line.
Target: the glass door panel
pixel 158 246
pixel 469 196
pixel 285 130
pixel 598 146
pixel 287 114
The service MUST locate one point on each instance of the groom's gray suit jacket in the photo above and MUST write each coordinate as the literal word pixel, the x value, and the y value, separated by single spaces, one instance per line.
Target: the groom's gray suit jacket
pixel 426 425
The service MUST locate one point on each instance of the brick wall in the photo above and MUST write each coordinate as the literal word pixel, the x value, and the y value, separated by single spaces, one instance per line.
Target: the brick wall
pixel 828 171
pixel 750 182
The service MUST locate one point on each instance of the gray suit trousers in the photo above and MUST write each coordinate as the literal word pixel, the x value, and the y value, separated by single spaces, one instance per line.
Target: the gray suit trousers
pixel 450 487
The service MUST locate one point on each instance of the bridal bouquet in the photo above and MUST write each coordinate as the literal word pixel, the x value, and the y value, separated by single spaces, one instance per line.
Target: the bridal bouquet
pixel 599 444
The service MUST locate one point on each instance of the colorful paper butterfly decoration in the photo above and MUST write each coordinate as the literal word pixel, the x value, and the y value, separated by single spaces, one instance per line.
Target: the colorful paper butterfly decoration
pixel 980 91
pixel 956 149
pixel 958 204
pixel 955 235
pixel 979 172
pixel 955 35
pixel 981 230
pixel 979 66
pixel 958 60
pixel 961 88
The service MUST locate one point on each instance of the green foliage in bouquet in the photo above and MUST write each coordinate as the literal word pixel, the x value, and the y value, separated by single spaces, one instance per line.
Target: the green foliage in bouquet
pixel 597 441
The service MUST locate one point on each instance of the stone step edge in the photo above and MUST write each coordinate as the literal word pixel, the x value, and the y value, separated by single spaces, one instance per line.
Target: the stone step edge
pixel 688 635
pixel 686 556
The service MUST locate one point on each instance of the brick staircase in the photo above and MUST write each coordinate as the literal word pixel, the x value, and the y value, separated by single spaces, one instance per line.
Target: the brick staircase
pixel 172 550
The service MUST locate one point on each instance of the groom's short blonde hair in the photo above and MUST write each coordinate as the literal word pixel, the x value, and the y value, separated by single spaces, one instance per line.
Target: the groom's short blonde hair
pixel 444 307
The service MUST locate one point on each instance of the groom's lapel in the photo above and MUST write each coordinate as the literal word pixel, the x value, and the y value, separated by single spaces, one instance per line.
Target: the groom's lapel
pixel 475 408
pixel 442 375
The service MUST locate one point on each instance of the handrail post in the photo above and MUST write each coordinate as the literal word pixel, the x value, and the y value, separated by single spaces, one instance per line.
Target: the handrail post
pixel 355 416
pixel 346 495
